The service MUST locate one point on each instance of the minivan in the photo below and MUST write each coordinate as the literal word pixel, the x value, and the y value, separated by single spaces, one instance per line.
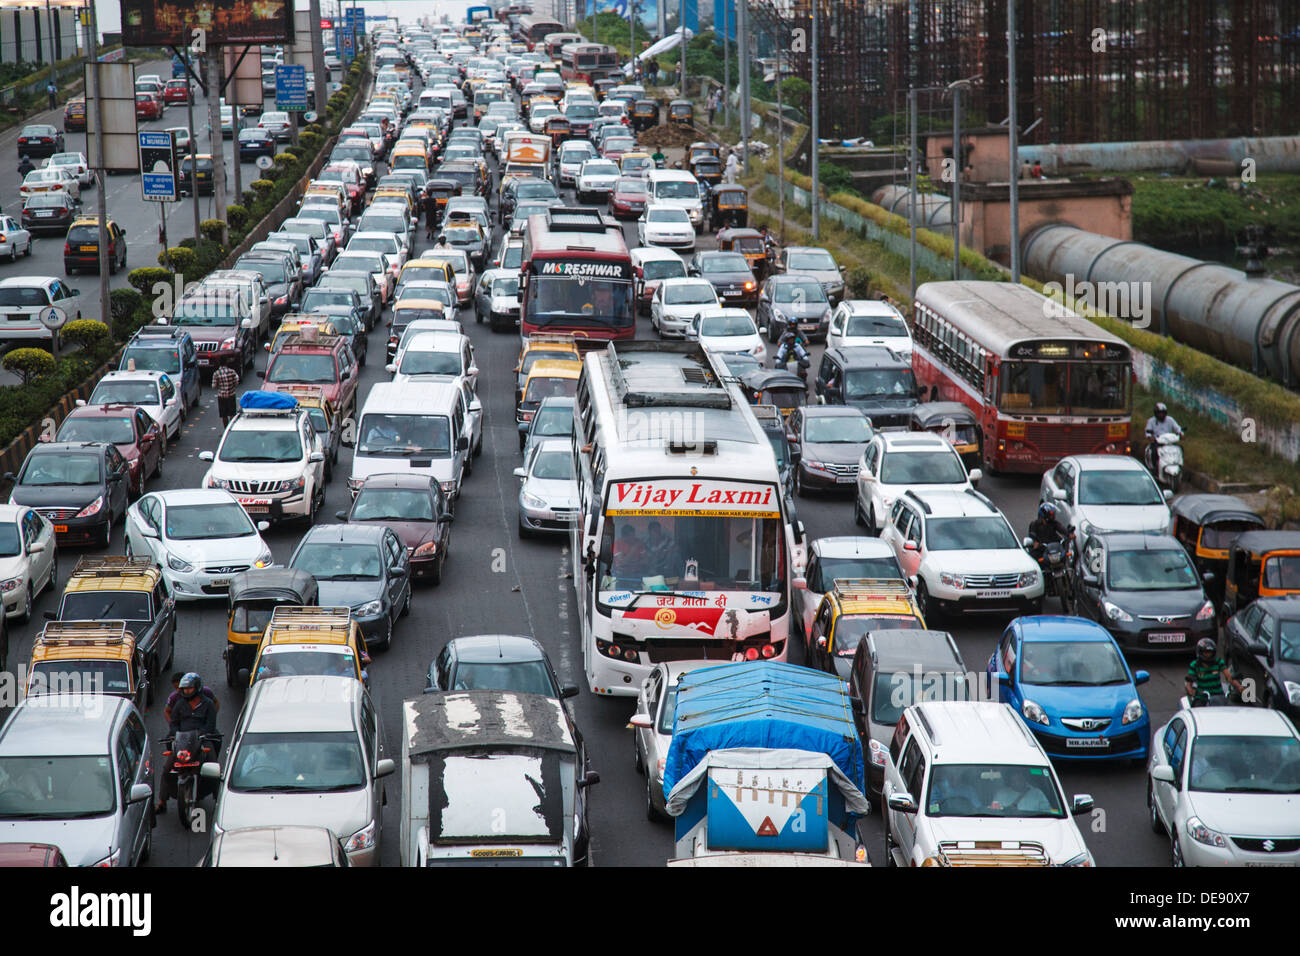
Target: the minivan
pixel 676 187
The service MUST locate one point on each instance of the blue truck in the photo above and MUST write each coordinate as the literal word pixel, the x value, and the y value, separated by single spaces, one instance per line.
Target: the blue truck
pixel 765 768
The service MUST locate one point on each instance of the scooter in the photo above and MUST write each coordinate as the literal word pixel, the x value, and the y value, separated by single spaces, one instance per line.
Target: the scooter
pixel 1164 459
pixel 191 749
pixel 798 354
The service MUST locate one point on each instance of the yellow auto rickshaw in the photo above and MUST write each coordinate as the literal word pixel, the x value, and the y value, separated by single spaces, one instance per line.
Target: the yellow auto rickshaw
pixel 955 422
pixel 254 595
pixel 681 112
pixel 1261 564
pixel 728 206
pixel 749 243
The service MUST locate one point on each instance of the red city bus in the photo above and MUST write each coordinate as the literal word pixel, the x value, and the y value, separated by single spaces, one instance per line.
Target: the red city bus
pixel 587 62
pixel 1042 381
pixel 553 43
pixel 576 277
pixel 533 29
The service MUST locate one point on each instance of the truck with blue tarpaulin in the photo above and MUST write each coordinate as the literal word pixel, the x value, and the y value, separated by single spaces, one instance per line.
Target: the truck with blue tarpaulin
pixel 765 768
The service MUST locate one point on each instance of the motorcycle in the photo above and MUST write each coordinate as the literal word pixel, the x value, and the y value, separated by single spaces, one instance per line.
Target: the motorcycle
pixel 191 749
pixel 798 354
pixel 1164 459
pixel 1054 561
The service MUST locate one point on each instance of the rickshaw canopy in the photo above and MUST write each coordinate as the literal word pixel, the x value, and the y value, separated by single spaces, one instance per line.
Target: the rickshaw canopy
pixel 290 585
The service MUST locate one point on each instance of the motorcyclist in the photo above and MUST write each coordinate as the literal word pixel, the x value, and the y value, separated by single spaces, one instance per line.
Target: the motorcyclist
pixel 769 242
pixel 792 338
pixel 26 166
pixel 659 158
pixel 1044 531
pixel 1161 423
pixel 1207 674
pixel 194 711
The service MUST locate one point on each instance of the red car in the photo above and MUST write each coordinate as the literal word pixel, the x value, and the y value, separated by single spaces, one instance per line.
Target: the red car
pixel 148 106
pixel 137 436
pixel 628 198
pixel 31 854
pixel 178 91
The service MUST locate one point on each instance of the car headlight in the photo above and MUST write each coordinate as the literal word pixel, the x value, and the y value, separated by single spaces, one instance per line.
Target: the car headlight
pixel 92 508
pixel 218 483
pixel 363 839
pixel 758 351
pixel 1083 859
pixel 11 584
pixel 113 859
pixel 1085 527
pixel 532 501
pixel 368 609
pixel 1199 832
pixel 1132 712
pixel 952 580
pixel 428 548
pixel 297 484
pixel 176 564
pixel 1032 712
pixel 879 753
pixel 1115 612
pixel 814 465
pixel 1292 692
pixel 263 560
pixel 1028 579
pixel 228 343
pixel 1206 612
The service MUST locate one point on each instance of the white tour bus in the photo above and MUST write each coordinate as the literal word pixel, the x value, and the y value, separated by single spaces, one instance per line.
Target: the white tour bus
pixel 680 546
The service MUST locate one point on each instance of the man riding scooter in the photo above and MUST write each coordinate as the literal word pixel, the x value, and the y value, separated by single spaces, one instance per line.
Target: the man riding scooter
pixel 1160 425
pixel 792 338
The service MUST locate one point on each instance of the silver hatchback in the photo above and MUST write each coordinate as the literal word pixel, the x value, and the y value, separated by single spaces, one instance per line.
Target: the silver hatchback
pixel 75 773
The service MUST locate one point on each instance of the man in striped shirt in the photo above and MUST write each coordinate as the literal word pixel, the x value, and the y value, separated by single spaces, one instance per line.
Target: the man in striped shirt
pixel 225 380
pixel 1207 674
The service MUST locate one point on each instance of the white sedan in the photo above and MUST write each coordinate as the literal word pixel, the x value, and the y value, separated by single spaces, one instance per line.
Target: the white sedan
pixel 669 226
pixel 75 163
pixel 596 177
pixel 151 390
pixel 50 179
pixel 200 538
pixel 677 301
pixel 728 330
pixel 14 239
pixel 29 561
pixel 1223 784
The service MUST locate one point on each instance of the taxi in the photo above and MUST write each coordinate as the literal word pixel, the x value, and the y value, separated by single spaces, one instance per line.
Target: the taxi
pixel 410 152
pixel 297 322
pixel 88 657
pixel 540 346
pixel 548 378
pixel 303 641
pixel 392 192
pixel 851 609
pixel 636 163
pixel 74 114
pixel 427 267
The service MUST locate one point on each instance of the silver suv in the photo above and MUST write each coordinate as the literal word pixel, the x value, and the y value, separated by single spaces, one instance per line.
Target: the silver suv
pixel 75 772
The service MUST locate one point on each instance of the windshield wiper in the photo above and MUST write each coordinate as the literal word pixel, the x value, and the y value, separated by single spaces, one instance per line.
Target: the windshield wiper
pixel 354 577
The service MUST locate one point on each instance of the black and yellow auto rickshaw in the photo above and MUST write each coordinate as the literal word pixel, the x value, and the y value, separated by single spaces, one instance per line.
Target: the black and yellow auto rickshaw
pixel 728 206
pixel 955 422
pixel 645 114
pixel 557 127
pixel 604 85
pixel 1207 525
pixel 707 170
pixel 1261 564
pixel 765 386
pixel 749 243
pixel 681 112
pixel 253 595
pixel 701 150
pixel 442 190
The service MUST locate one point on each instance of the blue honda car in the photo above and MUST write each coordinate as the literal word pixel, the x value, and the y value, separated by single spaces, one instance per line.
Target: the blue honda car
pixel 1068 681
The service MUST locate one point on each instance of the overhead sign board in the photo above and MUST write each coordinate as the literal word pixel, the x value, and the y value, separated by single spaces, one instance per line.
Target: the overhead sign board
pixel 172 23
pixel 158 165
pixel 291 88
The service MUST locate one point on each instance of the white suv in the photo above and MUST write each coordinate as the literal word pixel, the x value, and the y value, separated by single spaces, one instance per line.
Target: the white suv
pixel 962 554
pixel 966 784
pixel 895 462
pixel 869 322
pixel 273 462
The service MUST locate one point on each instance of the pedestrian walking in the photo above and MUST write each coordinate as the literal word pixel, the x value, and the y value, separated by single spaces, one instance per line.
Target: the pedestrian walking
pixel 713 105
pixel 53 90
pixel 733 167
pixel 225 380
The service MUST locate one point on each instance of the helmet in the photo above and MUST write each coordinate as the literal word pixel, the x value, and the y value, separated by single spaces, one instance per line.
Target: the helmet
pixel 191 680
pixel 1205 648
pixel 1047 511
pixel 1162 408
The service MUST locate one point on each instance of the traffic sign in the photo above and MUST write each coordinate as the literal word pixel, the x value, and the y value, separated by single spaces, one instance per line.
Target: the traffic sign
pixel 291 88
pixel 158 165
pixel 53 318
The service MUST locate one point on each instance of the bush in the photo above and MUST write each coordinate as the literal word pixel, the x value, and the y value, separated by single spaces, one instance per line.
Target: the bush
pixel 28 364
pixel 236 216
pixel 211 229
pixel 311 141
pixel 297 152
pixel 84 333
pixel 182 259
pixel 285 159
pixel 124 302
pixel 859 282
pixel 315 129
pixel 274 173
pixel 262 187
pixel 146 277
pixel 187 243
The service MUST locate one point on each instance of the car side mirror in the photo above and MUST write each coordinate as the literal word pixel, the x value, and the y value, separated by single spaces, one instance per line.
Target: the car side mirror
pixel 1141 677
pixel 567 691
pixel 207 456
pixel 975 475
pixel 589 779
pixel 391 368
pixel 1208 577
pixel 1165 774
pixel 1167 494
pixel 1060 494
pixel 1027 541
pixel 140 792
pixel 799 584
pixel 36 547
pixel 341 515
pixel 264 526
pixel 909 546
pixel 521 472
pixel 462 443
pixel 901 802
pixel 385 767
pixel 210 770
pixel 1081 803
pixel 762 330
pixel 641 721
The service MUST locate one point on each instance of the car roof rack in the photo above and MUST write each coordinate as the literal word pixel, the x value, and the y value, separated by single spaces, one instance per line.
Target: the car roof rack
pixel 83 634
pixel 112 566
pixel 921 502
pixel 300 617
pixel 161 331
pixel 312 338
pixel 869 589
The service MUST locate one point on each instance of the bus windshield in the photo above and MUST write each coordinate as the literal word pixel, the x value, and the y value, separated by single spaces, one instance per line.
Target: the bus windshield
pixel 1065 388
pixel 568 300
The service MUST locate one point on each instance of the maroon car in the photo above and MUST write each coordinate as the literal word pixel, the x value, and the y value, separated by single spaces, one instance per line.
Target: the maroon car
pixel 413 506
pixel 137 436
pixel 628 198
pixel 31 854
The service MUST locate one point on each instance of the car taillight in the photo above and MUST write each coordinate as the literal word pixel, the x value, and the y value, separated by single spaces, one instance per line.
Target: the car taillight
pixel 67 247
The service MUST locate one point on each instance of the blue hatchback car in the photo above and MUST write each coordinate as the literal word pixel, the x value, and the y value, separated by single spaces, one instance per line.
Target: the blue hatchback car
pixel 1068 681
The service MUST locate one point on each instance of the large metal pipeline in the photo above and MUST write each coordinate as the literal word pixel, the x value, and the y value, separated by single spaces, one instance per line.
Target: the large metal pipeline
pixel 1270 154
pixel 1253 323
pixel 932 211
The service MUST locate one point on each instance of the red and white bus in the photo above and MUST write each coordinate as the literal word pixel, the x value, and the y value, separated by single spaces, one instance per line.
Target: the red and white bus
pixel 587 62
pixel 576 277
pixel 1042 381
pixel 555 42
pixel 532 29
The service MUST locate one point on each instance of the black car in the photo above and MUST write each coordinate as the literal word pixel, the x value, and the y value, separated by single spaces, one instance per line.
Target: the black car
pixel 729 274
pixel 496 662
pixel 363 566
pixel 1144 589
pixel 39 139
pixel 828 443
pixel 48 212
pixel 81 487
pixel 206 175
pixel 255 142
pixel 348 321
pixel 283 281
pixel 518 190
pixel 1261 643
pixel 363 283
pixel 794 299
pixel 870 378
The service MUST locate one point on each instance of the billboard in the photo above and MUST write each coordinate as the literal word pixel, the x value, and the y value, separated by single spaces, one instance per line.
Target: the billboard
pixel 116 91
pixel 646 11
pixel 171 23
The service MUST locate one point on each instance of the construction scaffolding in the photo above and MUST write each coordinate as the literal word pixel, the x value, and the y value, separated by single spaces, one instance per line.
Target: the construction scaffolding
pixel 1087 70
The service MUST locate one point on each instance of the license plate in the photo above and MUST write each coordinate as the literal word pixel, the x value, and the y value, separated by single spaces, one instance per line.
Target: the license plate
pixel 845 479
pixel 993 594
pixel 22 317
pixel 60 529
pixel 1087 743
pixel 1167 637
pixel 204 360
pixel 88 248
pixel 44 213
pixel 495 853
pixel 219 582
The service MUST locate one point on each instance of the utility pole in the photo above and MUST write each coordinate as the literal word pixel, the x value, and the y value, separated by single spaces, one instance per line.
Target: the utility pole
pixel 96 97
pixel 816 132
pixel 681 47
pixel 911 185
pixel 194 143
pixel 958 155
pixel 210 75
pixel 780 134
pixel 726 68
pixel 746 112
pixel 54 57
pixel 1013 184
pixel 317 59
pixel 234 129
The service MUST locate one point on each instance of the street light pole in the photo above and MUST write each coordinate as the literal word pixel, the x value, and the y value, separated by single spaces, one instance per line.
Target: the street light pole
pixel 1013 184
pixel 726 67
pixel 958 155
pixel 746 111
pixel 194 156
pixel 780 136
pixel 911 187
pixel 49 19
pixel 816 130
pixel 681 47
pixel 92 51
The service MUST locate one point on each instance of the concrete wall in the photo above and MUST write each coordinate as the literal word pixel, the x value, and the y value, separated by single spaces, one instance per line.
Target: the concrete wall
pixel 24 35
pixel 986 211
pixel 987 154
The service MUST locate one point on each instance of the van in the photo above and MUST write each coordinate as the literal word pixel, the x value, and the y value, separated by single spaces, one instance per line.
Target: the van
pixel 676 187
pixel 418 427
